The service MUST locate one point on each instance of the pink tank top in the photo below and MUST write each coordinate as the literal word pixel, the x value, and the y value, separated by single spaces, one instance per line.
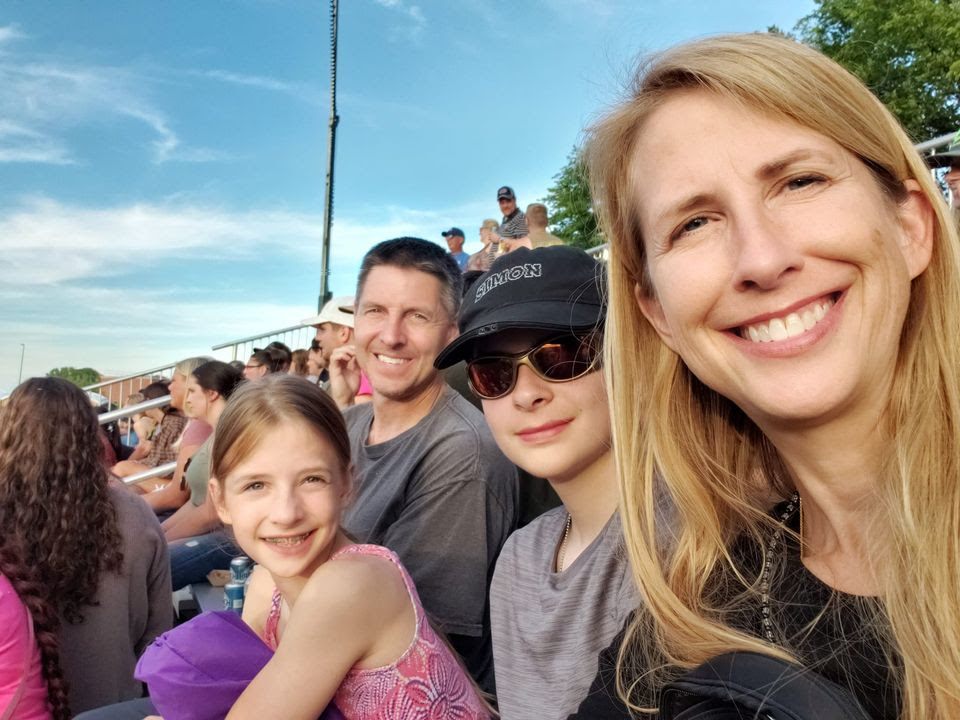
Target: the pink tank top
pixel 426 682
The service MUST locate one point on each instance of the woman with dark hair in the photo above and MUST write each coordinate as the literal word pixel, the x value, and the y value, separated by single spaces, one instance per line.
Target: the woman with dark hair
pixel 299 363
pixel 197 542
pixel 274 358
pixel 95 552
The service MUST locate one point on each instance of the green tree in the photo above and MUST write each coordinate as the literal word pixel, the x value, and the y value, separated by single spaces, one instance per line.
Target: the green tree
pixel 571 216
pixel 906 51
pixel 78 376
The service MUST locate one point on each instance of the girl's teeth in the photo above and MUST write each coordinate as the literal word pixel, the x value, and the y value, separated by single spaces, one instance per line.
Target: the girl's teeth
pixel 794 324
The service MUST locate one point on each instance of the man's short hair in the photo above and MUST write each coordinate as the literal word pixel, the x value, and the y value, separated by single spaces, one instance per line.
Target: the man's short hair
pixel 537 212
pixel 417 254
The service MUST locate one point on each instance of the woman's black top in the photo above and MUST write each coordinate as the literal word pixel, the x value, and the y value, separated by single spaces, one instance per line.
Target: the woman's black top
pixel 829 631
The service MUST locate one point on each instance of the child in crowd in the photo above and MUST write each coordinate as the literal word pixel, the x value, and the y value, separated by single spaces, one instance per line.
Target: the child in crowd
pixel 531 333
pixel 93 565
pixel 197 541
pixel 345 619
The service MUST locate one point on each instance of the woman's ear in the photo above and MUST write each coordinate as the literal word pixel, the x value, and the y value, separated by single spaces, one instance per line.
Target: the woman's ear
pixel 916 221
pixel 211 395
pixel 653 312
pixel 215 491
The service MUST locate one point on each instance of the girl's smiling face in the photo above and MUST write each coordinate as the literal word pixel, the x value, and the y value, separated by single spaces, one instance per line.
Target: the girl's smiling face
pixel 285 499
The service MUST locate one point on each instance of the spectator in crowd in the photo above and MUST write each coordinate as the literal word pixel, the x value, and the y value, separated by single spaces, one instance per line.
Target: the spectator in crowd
pixel 160 449
pixel 316 364
pixel 562 589
pixel 334 325
pixel 481 260
pixel 197 541
pixel 92 553
pixel 785 288
pixel 537 224
pixel 165 494
pixel 31 679
pixel 265 361
pixel 514 222
pixel 299 365
pixel 431 484
pixel 455 240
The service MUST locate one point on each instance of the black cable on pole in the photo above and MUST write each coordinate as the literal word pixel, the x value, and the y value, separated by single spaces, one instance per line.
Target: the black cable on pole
pixel 331 147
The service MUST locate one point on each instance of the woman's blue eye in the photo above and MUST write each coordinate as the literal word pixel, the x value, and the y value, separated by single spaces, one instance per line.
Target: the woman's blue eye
pixel 695 224
pixel 802 182
pixel 253 486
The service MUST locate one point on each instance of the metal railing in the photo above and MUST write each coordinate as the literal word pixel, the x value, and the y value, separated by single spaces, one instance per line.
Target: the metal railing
pixel 930 147
pixel 158 471
pixel 119 388
pixel 599 252
pixel 295 336
pixel 109 417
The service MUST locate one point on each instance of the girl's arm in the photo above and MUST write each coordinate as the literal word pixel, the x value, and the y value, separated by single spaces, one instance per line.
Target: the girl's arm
pixel 171 496
pixel 351 611
pixel 191 520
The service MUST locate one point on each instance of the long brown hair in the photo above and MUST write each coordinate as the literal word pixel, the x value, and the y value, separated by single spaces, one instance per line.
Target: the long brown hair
pixel 46 627
pixel 673 435
pixel 53 492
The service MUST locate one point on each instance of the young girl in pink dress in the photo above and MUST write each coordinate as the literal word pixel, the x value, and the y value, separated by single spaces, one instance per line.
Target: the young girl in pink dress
pixel 345 619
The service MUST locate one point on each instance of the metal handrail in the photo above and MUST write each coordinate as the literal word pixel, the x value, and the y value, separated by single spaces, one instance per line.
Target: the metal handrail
pixel 158 471
pixel 109 417
pixel 258 337
pixel 935 142
pixel 132 376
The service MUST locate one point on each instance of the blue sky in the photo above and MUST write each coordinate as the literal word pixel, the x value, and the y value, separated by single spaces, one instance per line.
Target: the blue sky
pixel 162 163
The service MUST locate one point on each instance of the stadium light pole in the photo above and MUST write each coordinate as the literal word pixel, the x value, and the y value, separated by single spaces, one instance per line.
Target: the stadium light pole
pixel 331 146
pixel 20 374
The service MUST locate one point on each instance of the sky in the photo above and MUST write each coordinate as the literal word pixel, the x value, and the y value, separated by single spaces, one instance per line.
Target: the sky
pixel 162 164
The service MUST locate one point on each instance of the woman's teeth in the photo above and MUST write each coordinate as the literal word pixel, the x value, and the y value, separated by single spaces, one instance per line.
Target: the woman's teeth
pixel 796 323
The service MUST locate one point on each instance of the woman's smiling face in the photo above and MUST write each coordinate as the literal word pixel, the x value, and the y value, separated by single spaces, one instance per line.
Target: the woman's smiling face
pixel 779 270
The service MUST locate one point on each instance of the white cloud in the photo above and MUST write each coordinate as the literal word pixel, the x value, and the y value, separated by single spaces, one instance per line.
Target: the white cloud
pixel 295 90
pixel 413 13
pixel 46 99
pixel 10 33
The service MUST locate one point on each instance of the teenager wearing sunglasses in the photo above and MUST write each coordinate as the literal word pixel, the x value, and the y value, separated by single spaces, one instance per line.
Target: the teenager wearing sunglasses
pixel 531 334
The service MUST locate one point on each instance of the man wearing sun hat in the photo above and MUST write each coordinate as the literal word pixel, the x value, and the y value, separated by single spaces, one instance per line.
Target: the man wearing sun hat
pixel 334 325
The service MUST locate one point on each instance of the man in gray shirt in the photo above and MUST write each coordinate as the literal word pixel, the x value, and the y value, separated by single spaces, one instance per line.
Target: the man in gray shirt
pixel 430 482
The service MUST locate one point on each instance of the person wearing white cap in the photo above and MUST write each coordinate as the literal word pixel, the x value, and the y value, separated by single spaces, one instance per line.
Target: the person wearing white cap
pixel 334 325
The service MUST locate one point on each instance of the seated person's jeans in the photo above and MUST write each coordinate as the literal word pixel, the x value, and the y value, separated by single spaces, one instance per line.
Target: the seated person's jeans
pixel 193 557
pixel 130 710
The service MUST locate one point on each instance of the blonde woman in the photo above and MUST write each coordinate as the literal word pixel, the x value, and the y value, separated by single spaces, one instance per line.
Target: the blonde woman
pixel 782 358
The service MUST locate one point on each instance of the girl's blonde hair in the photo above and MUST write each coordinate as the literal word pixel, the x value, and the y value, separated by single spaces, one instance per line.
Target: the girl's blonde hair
pixel 678 441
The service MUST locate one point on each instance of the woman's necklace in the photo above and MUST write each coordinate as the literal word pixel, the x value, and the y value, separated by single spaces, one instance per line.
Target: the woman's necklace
pixel 563 543
pixel 792 506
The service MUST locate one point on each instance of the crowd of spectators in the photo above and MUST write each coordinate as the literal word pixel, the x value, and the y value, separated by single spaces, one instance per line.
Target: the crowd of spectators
pixel 746 422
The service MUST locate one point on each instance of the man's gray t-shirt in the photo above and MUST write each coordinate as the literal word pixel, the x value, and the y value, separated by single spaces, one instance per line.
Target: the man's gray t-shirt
pixel 444 498
pixel 548 627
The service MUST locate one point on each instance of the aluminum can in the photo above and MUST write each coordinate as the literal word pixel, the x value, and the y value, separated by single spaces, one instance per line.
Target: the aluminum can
pixel 240 569
pixel 233 593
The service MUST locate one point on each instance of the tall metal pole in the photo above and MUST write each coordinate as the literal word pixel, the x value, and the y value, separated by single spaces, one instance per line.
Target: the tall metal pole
pixel 331 145
pixel 20 375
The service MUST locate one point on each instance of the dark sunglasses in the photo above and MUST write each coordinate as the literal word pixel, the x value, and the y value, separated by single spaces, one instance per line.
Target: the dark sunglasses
pixel 557 360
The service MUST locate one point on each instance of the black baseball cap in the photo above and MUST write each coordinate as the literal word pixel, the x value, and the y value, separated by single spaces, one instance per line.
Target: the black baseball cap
pixel 506 192
pixel 453 231
pixel 551 288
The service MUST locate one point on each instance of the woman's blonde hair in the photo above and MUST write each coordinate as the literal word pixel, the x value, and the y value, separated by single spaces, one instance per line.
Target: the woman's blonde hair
pixel 678 441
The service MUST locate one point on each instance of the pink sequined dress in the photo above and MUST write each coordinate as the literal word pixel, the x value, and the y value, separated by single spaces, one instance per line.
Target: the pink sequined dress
pixel 425 683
